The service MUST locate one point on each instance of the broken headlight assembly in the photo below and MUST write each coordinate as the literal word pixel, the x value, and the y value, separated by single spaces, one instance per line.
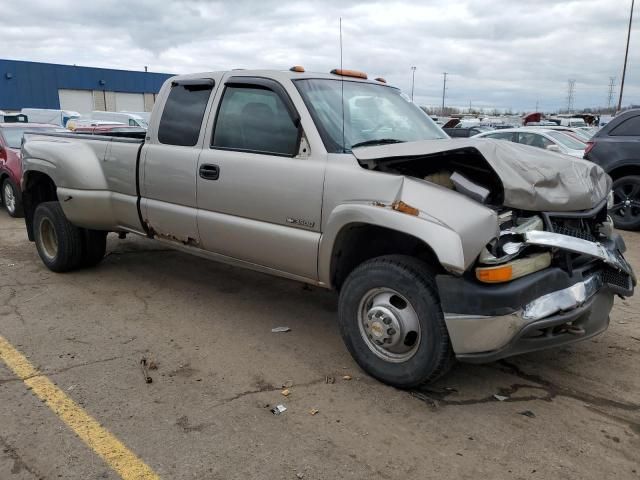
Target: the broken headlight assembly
pixel 501 261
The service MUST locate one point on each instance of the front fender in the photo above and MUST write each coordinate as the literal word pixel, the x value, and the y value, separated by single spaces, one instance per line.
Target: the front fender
pixel 445 242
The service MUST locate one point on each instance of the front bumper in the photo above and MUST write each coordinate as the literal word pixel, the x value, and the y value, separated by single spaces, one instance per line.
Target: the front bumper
pixel 542 310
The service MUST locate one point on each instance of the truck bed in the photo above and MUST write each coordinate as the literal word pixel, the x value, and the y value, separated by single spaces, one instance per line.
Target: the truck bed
pixel 107 169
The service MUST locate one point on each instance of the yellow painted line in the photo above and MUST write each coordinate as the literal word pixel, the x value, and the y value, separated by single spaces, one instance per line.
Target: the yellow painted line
pixel 99 439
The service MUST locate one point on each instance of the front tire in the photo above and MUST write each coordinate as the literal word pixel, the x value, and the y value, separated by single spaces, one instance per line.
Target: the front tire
pixel 11 199
pixel 392 324
pixel 626 199
pixel 59 243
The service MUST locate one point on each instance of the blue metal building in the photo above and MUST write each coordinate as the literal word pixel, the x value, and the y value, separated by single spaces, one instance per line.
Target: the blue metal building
pixel 47 85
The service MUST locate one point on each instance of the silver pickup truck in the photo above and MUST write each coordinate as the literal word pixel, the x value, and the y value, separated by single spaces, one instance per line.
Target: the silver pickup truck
pixel 440 249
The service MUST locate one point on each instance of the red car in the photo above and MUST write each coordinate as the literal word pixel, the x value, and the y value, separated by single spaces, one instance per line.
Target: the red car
pixel 11 163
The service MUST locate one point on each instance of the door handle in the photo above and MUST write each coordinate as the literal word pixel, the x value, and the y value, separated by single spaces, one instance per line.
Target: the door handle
pixel 209 171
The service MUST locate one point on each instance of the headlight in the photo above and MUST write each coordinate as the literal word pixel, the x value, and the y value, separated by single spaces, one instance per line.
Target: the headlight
pixel 514 269
pixel 610 200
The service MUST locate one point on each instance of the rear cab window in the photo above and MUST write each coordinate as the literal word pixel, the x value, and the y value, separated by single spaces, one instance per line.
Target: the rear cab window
pixel 183 112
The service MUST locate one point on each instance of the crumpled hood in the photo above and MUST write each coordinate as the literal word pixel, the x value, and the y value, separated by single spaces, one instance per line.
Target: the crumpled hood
pixel 532 178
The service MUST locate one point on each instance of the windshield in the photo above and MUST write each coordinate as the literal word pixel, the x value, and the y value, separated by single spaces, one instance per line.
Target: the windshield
pixel 372 114
pixel 567 140
pixel 13 135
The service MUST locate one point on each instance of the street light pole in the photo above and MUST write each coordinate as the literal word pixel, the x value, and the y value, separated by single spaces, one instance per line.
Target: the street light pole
pixel 626 55
pixel 413 79
pixel 444 89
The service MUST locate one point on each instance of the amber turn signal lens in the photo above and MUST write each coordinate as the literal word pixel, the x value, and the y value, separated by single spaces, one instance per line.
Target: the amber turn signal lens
pixel 349 73
pixel 503 273
pixel 297 68
pixel 400 206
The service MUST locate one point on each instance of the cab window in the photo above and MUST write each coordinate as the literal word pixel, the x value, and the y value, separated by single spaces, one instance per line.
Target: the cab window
pixel 255 119
pixel 183 112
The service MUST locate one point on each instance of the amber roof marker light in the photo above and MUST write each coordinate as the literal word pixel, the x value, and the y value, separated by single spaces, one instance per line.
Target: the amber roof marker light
pixel 349 73
pixel 297 68
pixel 381 80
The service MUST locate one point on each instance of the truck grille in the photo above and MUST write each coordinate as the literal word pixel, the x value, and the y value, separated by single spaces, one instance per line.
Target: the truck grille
pixel 616 278
pixel 582 233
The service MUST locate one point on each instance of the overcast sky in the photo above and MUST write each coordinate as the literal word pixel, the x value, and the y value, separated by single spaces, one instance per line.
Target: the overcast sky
pixel 499 53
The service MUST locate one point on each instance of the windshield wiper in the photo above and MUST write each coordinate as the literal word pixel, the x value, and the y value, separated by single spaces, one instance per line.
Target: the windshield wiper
pixel 379 141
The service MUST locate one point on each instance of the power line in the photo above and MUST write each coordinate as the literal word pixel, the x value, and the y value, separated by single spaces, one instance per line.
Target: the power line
pixel 444 89
pixel 626 55
pixel 612 85
pixel 571 90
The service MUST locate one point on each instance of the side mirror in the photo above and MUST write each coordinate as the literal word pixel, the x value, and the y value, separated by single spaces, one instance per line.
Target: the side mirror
pixel 554 148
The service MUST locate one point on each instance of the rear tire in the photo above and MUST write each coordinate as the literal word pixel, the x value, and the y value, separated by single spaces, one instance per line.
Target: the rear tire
pixel 59 243
pixel 626 199
pixel 95 246
pixel 11 199
pixel 392 324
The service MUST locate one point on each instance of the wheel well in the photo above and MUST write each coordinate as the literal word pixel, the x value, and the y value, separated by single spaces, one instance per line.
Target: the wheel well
pixel 357 243
pixel 38 188
pixel 624 171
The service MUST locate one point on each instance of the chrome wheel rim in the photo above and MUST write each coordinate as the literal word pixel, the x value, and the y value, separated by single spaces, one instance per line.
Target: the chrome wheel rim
pixel 48 239
pixel 9 198
pixel 389 325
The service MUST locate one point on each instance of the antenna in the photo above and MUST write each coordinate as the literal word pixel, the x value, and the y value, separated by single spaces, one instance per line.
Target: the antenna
pixel 342 89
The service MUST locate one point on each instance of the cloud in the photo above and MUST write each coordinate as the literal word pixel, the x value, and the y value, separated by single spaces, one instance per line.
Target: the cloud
pixel 498 53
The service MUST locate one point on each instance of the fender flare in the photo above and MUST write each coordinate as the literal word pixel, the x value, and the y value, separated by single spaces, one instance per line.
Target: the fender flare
pixel 445 243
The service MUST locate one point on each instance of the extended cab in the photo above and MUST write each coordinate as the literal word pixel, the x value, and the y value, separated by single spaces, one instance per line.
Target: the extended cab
pixel 476 249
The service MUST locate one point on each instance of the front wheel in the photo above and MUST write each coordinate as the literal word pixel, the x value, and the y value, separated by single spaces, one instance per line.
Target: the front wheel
pixel 11 198
pixel 391 321
pixel 626 203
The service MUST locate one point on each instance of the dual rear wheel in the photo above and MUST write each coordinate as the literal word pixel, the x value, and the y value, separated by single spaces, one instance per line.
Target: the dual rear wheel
pixel 63 246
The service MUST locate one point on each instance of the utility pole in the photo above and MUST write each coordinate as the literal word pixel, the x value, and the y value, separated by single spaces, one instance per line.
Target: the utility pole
pixel 444 89
pixel 571 88
pixel 626 55
pixel 537 103
pixel 413 79
pixel 612 84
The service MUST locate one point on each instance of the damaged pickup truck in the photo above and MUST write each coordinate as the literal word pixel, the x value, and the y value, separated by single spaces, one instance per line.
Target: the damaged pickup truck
pixel 471 249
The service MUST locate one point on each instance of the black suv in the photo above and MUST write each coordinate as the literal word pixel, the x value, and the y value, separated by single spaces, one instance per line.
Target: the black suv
pixel 616 148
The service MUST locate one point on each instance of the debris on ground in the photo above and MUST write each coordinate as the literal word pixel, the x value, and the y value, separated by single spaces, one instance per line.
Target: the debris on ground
pixel 280 329
pixel 528 413
pixel 287 384
pixel 153 365
pixel 278 409
pixel 313 411
pixel 299 475
pixel 329 380
pixel 347 377
pixel 145 372
pixel 635 338
pixel 286 392
pixel 500 398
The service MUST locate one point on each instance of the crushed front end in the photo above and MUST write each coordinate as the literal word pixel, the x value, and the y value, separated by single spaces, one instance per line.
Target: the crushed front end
pixel 549 279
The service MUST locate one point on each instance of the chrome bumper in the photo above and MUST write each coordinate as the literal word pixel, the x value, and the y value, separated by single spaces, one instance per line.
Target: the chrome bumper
pixel 479 333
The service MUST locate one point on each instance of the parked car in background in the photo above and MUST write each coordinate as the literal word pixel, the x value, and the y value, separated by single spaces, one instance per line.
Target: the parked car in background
pixel 465 132
pixel 130 119
pixel 49 116
pixel 616 148
pixel 540 137
pixel 146 116
pixel 439 247
pixel 578 133
pixel 11 165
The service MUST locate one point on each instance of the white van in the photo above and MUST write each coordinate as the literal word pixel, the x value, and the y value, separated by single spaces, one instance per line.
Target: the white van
pixel 131 119
pixel 51 116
